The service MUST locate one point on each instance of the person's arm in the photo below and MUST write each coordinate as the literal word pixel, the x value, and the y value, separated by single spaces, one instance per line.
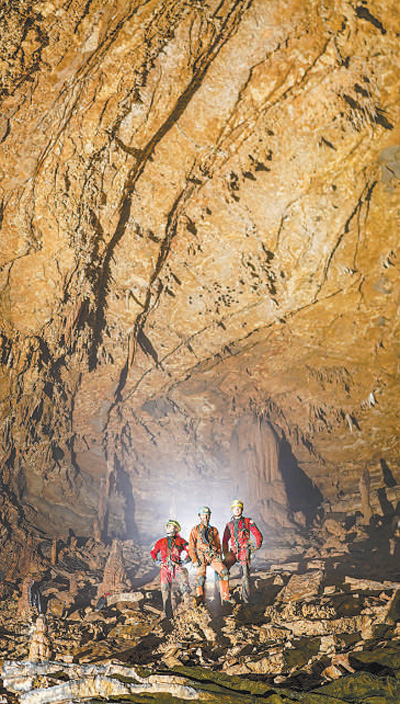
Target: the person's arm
pixel 154 552
pixel 256 533
pixel 192 545
pixel 216 541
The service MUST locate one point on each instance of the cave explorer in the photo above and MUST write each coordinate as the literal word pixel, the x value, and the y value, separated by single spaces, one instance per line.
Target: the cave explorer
pixel 237 545
pixel 205 550
pixel 167 552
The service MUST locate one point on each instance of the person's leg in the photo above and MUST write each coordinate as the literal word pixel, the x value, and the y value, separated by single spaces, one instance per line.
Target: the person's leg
pixel 166 580
pixel 174 599
pixel 223 574
pixel 200 581
pixel 245 570
pixel 182 578
pixel 244 559
pixel 165 591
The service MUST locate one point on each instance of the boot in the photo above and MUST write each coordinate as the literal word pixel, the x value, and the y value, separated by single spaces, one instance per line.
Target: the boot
pixel 224 591
pixel 200 597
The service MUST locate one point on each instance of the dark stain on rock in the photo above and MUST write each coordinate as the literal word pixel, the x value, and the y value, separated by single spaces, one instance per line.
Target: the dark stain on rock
pixel 364 14
pixel 146 345
pixel 327 143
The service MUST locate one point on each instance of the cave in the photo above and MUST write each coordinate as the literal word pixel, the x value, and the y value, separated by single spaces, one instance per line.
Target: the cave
pixel 199 291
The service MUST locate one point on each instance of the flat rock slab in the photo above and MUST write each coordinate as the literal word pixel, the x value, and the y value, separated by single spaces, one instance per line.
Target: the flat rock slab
pixel 302 586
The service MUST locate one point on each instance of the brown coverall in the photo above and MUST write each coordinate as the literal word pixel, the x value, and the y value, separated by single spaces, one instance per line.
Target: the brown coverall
pixel 204 550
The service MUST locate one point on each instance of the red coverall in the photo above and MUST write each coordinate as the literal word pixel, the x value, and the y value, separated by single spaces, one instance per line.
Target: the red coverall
pixel 170 549
pixel 205 549
pixel 236 545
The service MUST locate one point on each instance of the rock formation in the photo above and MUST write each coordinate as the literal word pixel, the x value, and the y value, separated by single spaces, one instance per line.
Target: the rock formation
pixel 311 622
pixel 199 211
pixel 114 578
pixel 40 646
pixel 199 228
pixel 24 607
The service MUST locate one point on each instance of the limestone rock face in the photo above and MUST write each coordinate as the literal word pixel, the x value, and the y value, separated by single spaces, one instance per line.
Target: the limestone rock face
pixel 199 260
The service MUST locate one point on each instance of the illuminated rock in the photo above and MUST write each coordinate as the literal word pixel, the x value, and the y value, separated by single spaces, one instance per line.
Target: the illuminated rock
pixel 114 578
pixel 199 263
pixel 40 645
pixel 24 607
pixel 302 586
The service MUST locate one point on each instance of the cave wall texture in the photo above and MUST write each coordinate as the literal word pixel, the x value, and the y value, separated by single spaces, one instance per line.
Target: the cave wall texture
pixel 199 259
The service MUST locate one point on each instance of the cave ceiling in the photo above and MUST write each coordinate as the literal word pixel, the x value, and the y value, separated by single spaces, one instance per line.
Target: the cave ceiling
pixel 199 257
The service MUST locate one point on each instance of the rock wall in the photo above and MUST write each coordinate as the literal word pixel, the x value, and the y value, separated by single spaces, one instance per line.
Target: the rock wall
pixel 199 222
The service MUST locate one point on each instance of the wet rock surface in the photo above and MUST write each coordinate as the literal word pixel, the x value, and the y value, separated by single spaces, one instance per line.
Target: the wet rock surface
pixel 308 633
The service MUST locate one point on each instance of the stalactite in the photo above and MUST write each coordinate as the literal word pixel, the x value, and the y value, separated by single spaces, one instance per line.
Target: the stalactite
pixel 53 554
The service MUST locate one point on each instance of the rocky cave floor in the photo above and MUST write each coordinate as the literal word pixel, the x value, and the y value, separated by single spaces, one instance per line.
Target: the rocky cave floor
pixel 323 624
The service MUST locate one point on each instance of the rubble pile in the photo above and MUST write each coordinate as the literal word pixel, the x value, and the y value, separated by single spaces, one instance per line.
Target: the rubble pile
pixel 311 624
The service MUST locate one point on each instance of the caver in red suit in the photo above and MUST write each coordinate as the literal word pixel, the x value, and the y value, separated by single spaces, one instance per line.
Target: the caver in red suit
pixel 236 543
pixel 167 552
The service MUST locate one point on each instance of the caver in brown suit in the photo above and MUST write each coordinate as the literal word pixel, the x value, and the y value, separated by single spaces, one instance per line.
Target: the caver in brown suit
pixel 205 550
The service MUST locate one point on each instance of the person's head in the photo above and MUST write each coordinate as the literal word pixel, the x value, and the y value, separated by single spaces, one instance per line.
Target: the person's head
pixel 205 513
pixel 172 527
pixel 237 508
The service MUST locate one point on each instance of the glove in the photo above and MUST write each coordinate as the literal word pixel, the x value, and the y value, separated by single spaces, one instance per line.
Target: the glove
pixel 186 560
pixel 157 561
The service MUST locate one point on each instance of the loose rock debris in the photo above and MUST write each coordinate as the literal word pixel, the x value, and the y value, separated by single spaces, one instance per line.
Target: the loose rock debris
pixel 312 623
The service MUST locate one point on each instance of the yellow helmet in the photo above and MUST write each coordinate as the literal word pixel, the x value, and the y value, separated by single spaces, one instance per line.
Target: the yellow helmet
pixel 176 526
pixel 204 509
pixel 237 503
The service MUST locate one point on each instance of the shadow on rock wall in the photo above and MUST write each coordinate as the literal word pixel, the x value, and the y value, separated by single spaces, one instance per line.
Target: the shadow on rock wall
pixel 302 494
pixel 267 474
